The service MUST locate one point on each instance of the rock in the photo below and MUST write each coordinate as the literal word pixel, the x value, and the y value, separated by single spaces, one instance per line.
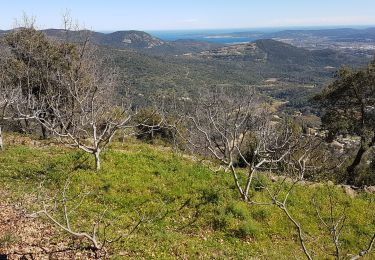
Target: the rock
pixel 349 191
pixel 337 146
pixel 273 178
pixel 370 189
pixel 317 185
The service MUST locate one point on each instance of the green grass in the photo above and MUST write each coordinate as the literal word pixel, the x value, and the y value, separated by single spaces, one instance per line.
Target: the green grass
pixel 190 211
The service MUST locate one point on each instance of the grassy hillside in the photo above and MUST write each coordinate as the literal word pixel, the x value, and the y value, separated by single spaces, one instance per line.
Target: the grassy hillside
pixel 189 211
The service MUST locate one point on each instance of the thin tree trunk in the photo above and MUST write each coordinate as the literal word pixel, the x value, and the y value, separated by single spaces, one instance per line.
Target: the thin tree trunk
pixel 97 160
pixel 44 132
pixel 1 140
pixel 357 160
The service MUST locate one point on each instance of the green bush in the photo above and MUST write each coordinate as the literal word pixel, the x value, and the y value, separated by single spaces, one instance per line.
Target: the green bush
pixel 151 126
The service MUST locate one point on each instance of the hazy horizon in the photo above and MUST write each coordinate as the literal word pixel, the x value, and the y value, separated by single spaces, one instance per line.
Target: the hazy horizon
pixel 230 30
pixel 168 15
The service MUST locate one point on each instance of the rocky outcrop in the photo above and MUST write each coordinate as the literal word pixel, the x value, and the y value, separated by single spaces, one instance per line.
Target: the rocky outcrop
pixel 128 39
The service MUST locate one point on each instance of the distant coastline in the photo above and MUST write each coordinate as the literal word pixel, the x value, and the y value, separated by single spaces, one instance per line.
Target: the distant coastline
pixel 217 36
pixel 224 36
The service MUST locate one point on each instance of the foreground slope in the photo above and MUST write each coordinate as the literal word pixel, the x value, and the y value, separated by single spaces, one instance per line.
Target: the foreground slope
pixel 188 210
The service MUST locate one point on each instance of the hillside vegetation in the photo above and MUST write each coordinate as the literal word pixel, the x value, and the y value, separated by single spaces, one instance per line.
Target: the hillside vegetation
pixel 188 211
pixel 116 153
pixel 299 73
pixel 150 64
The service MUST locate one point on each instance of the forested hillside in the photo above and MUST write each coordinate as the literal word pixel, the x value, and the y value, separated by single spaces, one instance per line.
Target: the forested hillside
pixel 123 146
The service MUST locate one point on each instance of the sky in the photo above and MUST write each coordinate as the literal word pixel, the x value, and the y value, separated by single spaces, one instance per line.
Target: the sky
pixel 111 15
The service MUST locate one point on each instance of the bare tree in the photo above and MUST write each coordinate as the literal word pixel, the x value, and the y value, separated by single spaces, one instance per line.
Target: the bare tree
pixel 59 209
pixel 335 223
pixel 367 250
pixel 67 88
pixel 85 112
pixel 238 131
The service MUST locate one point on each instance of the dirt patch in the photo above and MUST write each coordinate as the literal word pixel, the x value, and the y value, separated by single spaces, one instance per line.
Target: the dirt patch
pixel 24 237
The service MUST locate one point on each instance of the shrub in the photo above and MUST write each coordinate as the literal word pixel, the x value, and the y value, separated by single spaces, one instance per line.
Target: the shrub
pixel 151 126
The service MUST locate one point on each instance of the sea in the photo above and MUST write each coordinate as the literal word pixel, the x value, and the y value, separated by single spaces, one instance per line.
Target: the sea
pixel 225 36
pixel 228 36
pixel 218 36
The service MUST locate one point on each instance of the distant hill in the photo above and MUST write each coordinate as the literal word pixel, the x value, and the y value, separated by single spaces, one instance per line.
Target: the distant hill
pixel 277 69
pixel 2 32
pixel 338 34
pixel 341 34
pixel 353 40
pixel 130 39
pixel 279 53
pixel 150 65
pixel 119 39
pixel 188 45
pixel 137 40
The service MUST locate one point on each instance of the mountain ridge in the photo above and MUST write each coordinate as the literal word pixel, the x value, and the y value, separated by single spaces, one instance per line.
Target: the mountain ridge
pixel 277 52
pixel 131 39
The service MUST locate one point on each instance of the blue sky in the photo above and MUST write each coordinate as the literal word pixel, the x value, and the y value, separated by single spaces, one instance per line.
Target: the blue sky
pixel 190 14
